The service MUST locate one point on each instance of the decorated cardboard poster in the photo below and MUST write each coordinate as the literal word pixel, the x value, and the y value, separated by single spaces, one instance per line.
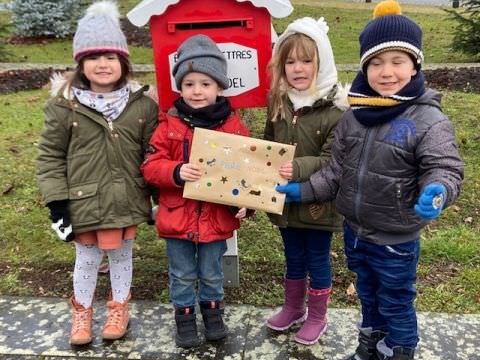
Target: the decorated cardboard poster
pixel 238 170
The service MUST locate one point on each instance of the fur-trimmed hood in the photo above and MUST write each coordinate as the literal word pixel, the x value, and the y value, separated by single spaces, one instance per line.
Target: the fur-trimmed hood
pixel 59 81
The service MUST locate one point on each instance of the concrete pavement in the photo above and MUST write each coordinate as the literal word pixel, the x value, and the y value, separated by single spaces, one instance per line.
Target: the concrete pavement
pixel 37 328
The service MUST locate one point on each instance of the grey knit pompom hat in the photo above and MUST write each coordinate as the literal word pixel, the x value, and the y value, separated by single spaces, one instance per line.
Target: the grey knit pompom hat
pixel 200 54
pixel 99 31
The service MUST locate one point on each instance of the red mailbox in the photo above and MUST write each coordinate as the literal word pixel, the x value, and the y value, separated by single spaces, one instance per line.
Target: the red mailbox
pixel 241 28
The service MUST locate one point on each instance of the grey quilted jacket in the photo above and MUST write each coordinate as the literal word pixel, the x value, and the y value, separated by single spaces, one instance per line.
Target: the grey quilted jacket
pixel 376 173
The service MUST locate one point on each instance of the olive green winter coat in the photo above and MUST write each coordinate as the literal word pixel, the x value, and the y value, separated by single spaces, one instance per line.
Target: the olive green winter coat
pixel 95 167
pixel 311 130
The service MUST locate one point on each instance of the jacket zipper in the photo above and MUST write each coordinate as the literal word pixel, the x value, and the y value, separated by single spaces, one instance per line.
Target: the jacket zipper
pixel 196 235
pixel 185 150
pixel 398 195
pixel 361 171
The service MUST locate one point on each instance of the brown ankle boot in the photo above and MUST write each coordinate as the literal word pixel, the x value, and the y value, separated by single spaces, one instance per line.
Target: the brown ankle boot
pixel 81 332
pixel 117 320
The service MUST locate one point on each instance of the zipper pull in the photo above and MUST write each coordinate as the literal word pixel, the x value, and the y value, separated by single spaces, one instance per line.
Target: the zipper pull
pixel 294 120
pixel 110 125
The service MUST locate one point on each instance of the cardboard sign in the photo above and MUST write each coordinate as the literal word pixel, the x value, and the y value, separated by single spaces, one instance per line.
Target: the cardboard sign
pixel 238 170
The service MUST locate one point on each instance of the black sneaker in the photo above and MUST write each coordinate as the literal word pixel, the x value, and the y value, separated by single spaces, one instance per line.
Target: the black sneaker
pixel 367 346
pixel 187 335
pixel 212 313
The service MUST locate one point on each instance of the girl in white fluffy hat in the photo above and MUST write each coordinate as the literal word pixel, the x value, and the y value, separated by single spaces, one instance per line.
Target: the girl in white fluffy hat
pixel 306 101
pixel 97 129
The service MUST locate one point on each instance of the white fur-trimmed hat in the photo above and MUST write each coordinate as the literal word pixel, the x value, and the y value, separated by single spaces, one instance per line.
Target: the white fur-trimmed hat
pixel 99 31
pixel 317 30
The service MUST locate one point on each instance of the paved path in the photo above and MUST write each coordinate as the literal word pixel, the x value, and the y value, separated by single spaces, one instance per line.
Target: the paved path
pixel 37 328
pixel 142 68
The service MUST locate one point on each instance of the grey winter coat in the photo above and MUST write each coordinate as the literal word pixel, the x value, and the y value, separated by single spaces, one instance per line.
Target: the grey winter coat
pixel 376 173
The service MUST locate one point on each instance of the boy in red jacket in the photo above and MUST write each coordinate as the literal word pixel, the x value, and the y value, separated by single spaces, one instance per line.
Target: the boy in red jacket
pixel 195 231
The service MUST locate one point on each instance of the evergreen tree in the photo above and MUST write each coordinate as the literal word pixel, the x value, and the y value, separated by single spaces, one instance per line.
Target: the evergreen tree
pixel 467 32
pixel 55 18
pixel 3 35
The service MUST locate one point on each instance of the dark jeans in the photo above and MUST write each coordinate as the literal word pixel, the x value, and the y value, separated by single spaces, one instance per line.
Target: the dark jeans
pixel 307 252
pixel 386 276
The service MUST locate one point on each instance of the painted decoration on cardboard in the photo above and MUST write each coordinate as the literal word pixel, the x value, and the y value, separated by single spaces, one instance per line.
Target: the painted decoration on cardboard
pixel 238 170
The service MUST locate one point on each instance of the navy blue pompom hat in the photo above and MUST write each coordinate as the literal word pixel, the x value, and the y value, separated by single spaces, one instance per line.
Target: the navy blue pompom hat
pixel 389 30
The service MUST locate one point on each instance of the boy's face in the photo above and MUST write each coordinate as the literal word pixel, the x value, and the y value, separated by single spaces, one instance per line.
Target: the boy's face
pixel 390 71
pixel 103 71
pixel 199 90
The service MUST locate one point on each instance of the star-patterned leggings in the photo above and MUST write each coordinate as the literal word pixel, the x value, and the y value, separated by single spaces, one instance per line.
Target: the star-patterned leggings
pixel 87 262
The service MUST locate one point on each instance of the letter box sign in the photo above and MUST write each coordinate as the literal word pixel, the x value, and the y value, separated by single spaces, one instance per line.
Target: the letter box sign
pixel 241 28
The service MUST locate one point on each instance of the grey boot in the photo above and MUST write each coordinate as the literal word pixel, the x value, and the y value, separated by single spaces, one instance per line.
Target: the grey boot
pixel 395 353
pixel 367 344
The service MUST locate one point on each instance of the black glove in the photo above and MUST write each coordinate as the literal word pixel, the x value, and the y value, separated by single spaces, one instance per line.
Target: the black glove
pixel 61 219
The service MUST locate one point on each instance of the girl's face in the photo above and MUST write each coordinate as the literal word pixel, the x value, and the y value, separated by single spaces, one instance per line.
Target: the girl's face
pixel 199 90
pixel 390 71
pixel 299 71
pixel 103 71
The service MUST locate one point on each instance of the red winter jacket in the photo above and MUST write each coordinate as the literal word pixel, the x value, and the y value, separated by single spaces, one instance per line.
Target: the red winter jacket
pixel 178 217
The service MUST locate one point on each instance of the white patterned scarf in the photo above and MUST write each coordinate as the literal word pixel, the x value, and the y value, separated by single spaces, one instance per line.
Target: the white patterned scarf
pixel 110 104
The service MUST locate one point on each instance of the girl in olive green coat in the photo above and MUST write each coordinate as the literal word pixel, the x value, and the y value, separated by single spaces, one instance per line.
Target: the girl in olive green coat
pixel 304 106
pixel 97 129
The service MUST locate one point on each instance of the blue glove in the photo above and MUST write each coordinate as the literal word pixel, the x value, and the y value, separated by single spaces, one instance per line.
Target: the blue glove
pixel 431 201
pixel 292 190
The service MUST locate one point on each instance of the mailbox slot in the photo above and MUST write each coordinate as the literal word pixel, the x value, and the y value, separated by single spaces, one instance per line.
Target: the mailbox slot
pixel 215 24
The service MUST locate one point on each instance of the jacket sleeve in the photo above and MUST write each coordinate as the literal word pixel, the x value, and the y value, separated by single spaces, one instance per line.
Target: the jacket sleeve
pixel 151 124
pixel 305 166
pixel 158 167
pixel 323 185
pixel 439 159
pixel 52 154
pixel 268 132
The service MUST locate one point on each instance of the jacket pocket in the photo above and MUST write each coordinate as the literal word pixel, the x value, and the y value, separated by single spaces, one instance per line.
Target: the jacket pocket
pixel 84 204
pixel 172 217
pixel 223 220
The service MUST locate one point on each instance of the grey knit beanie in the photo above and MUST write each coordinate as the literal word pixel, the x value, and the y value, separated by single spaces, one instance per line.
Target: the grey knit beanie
pixel 99 31
pixel 200 54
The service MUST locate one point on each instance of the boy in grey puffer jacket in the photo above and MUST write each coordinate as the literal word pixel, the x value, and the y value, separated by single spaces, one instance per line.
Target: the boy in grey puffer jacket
pixel 395 165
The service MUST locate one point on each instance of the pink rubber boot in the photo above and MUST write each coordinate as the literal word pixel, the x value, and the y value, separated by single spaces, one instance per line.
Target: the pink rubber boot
pixel 293 311
pixel 316 323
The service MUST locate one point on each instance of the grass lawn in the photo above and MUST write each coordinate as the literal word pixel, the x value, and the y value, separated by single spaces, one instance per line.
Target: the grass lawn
pixel 33 262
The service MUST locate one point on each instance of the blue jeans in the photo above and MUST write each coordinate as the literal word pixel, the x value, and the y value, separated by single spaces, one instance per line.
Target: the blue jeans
pixel 386 276
pixel 307 252
pixel 189 262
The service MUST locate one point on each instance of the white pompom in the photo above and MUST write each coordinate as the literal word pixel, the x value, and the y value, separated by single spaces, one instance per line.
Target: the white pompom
pixel 104 7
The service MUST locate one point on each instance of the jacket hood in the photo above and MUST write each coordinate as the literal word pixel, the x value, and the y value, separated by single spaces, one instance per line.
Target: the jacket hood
pixel 58 82
pixel 317 30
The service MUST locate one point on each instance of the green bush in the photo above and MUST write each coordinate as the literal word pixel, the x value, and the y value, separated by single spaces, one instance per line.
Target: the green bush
pixel 467 32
